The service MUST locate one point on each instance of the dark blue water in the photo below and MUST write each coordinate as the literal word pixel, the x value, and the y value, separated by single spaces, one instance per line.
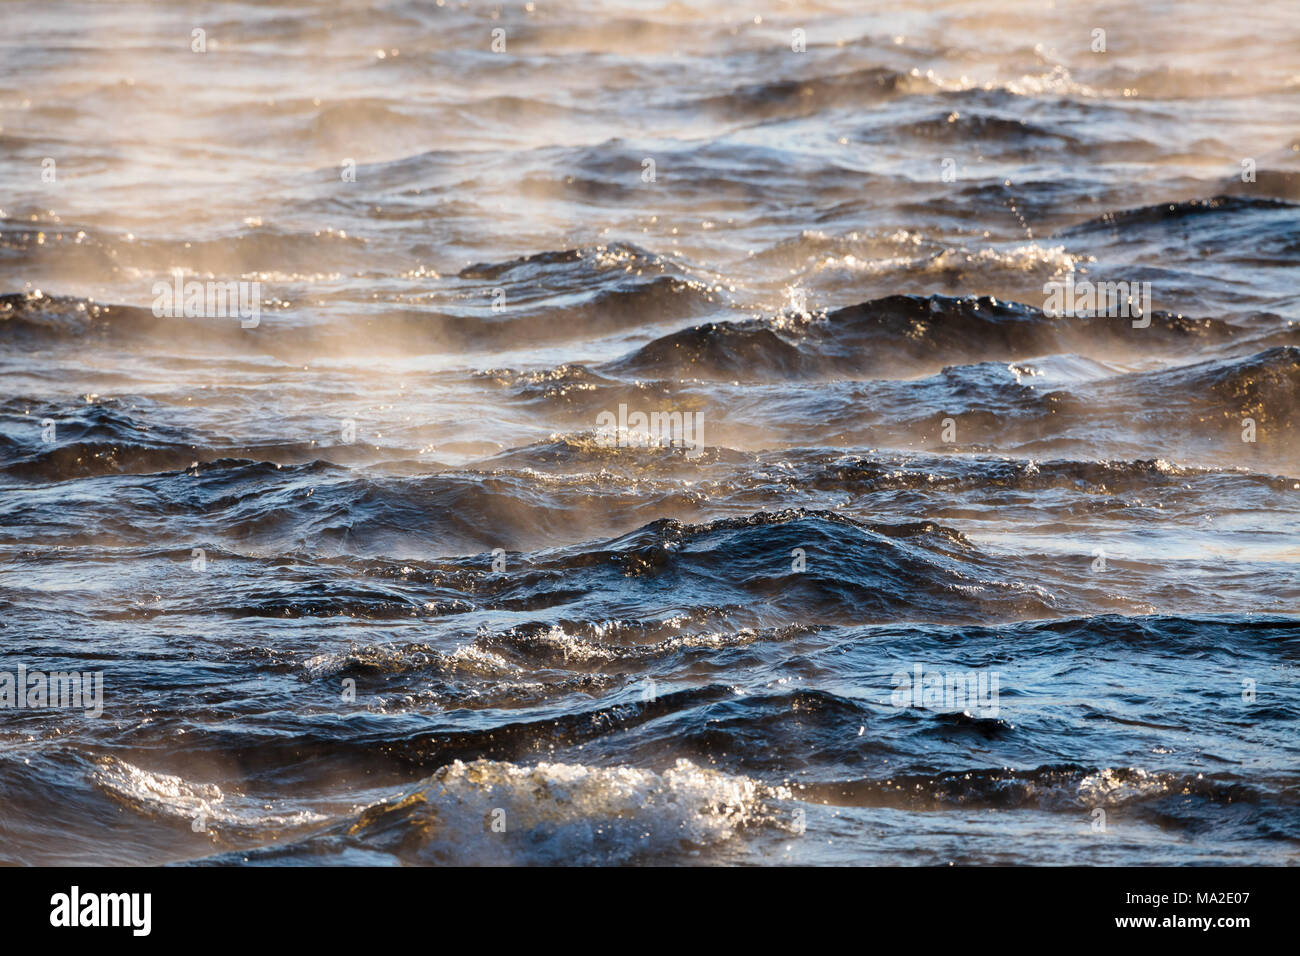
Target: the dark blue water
pixel 903 564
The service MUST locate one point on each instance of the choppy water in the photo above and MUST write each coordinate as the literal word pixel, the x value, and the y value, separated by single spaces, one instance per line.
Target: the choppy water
pixel 838 263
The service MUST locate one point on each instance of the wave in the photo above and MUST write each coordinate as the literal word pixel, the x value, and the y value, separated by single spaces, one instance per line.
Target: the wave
pixel 1215 398
pixel 553 296
pixel 784 99
pixel 252 252
pixel 486 812
pixel 1059 788
pixel 903 334
pixel 1177 213
pixel 172 797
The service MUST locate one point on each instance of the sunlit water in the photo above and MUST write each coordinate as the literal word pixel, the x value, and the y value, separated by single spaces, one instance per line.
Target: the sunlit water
pixel 367 583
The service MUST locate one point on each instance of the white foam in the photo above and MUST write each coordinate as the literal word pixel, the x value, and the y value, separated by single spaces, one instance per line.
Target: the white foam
pixel 568 813
pixel 168 795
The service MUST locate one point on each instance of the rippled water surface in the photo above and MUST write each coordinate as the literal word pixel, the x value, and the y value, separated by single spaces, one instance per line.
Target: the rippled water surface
pixel 368 580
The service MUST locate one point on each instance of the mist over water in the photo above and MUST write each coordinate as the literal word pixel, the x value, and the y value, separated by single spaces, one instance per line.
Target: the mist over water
pixel 368 579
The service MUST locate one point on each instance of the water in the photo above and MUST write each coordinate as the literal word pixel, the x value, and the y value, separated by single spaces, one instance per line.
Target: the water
pixel 367 582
